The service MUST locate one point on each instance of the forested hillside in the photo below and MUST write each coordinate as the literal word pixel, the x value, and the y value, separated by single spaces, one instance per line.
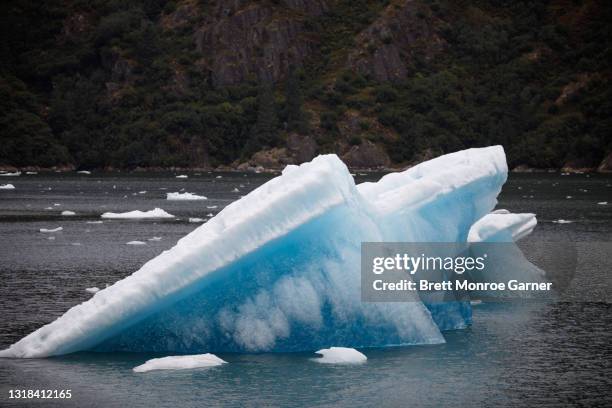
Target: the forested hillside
pixel 209 83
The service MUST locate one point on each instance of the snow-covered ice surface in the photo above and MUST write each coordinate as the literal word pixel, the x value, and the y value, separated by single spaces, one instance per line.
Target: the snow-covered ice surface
pixel 180 363
pixel 340 355
pixel 184 196
pixel 7 187
pixel 58 229
pixel 278 270
pixel 137 214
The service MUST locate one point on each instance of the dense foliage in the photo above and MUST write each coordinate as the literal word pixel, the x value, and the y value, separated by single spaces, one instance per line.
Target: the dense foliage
pixel 103 83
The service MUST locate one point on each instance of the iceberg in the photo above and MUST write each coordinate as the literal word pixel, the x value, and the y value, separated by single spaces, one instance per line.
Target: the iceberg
pixel 137 214
pixel 279 269
pixel 180 363
pixel 58 229
pixel 340 355
pixel 184 197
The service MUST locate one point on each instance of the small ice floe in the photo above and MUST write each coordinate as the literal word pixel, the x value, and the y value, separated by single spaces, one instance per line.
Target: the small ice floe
pixel 196 220
pixel 568 197
pixel 154 239
pixel 7 187
pixel 209 215
pixel 142 192
pixel 136 243
pixel 562 221
pixel 219 177
pixel 94 222
pixel 182 176
pixel 565 174
pixel 58 229
pixel 211 207
pixel 475 302
pixel 68 213
pixel 602 203
pixel 83 172
pixel 92 290
pixel 31 172
pixel 180 363
pixel 51 237
pixel 340 355
pixel 48 208
pixel 56 204
pixel 137 214
pixel 235 190
pixel 13 174
pixel 184 197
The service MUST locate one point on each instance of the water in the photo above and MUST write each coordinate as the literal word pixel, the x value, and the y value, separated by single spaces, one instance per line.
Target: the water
pixel 551 354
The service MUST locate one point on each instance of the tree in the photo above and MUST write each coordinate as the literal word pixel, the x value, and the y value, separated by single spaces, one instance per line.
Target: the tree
pixel 296 120
pixel 266 128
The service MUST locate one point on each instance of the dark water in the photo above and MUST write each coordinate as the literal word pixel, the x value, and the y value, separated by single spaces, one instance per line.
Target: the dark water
pixel 551 354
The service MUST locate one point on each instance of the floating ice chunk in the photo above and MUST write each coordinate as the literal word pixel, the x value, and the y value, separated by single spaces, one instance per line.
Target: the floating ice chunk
pixel 84 172
pixel 92 290
pixel 184 196
pixel 94 222
pixel 182 176
pixel 56 204
pixel 68 213
pixel 562 221
pixel 7 187
pixel 235 190
pixel 568 197
pixel 501 225
pixel 142 192
pixel 211 207
pixel 210 215
pixel 340 355
pixel 602 203
pixel 137 214
pixel 219 177
pixel 136 243
pixel 196 220
pixel 13 174
pixel 58 229
pixel 180 363
pixel 31 172
pixel 155 239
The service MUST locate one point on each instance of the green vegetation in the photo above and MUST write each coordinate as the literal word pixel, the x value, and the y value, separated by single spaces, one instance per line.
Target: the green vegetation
pixel 107 84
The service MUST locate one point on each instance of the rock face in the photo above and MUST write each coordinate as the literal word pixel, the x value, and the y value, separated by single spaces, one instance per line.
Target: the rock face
pixel 366 155
pixel 387 46
pixel 242 40
pixel 606 164
pixel 302 148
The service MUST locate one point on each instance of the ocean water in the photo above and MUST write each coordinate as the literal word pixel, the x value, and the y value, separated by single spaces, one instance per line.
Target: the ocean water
pixel 554 353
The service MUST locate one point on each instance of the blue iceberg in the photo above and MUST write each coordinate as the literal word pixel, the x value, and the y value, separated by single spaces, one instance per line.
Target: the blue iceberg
pixel 279 269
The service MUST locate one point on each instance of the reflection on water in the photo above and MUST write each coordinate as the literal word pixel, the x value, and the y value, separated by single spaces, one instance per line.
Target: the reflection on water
pixel 537 354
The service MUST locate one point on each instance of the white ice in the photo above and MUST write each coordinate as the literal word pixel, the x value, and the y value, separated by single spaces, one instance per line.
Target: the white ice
pixel 180 363
pixel 137 214
pixel 92 289
pixel 340 355
pixel 136 243
pixel 51 230
pixel 68 213
pixel 184 196
pixel 7 187
pixel 182 176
